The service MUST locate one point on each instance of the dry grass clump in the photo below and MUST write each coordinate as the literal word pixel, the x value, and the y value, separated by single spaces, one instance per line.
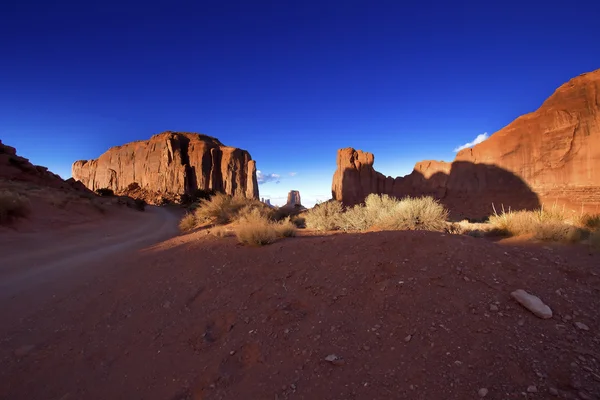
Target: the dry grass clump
pixel 12 206
pixel 221 208
pixel 286 228
pixel 324 216
pixel 256 230
pixel 591 221
pixel 415 213
pixel 187 223
pixel 382 212
pixel 553 224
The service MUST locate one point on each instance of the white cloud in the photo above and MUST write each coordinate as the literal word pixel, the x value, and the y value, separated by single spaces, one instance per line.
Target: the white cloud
pixel 265 178
pixel 480 138
pixel 293 173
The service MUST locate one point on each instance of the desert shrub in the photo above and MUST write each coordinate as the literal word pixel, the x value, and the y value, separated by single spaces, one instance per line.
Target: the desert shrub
pixel 12 206
pixel 286 228
pixel 551 224
pixel 298 221
pixel 255 230
pixel 383 212
pixel 513 223
pixel 222 209
pixel 414 213
pixel 187 223
pixel 106 192
pixel 324 216
pixel 591 221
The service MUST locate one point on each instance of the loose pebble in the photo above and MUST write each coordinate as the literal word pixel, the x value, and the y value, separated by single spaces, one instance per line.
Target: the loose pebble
pixel 582 326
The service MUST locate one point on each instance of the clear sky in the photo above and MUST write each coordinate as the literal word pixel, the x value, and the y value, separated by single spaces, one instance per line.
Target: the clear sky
pixel 289 81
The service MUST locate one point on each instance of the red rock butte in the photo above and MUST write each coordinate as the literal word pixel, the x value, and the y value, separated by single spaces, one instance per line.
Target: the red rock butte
pixel 172 163
pixel 550 156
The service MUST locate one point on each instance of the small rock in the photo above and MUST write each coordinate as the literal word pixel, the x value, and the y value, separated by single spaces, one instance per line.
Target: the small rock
pixel 408 338
pixel 232 352
pixel 335 360
pixel 553 391
pixel 532 303
pixel 532 389
pixel 493 307
pixel 521 322
pixel 581 325
pixel 584 396
pixel 167 304
pixel 482 392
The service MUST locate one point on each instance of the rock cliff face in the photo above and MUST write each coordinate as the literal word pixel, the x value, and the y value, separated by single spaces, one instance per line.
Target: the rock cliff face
pixel 293 198
pixel 172 163
pixel 549 156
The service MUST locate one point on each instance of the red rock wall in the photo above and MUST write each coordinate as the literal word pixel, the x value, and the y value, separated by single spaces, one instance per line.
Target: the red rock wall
pixel 174 163
pixel 550 156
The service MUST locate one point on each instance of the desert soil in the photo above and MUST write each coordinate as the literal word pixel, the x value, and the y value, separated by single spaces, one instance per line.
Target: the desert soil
pixel 400 315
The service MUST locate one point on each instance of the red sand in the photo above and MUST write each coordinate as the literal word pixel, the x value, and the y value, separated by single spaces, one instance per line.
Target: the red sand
pixel 407 314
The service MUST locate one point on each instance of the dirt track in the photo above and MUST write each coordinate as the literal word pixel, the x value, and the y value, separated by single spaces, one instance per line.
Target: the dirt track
pixel 409 314
pixel 33 263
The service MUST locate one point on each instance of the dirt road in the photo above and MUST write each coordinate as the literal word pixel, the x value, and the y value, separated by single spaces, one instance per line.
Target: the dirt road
pixel 40 262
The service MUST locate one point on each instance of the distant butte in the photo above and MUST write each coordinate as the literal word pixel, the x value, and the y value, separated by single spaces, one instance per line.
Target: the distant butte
pixel 550 156
pixel 171 164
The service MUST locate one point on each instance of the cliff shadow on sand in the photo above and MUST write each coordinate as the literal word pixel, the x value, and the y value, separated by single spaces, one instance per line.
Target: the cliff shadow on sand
pixel 469 191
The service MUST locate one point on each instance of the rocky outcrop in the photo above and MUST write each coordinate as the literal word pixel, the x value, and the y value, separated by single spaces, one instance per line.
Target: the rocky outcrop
pixel 16 168
pixel 549 156
pixel 172 163
pixel 293 198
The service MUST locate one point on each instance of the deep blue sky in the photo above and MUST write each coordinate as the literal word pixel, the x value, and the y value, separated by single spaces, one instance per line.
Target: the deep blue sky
pixel 289 81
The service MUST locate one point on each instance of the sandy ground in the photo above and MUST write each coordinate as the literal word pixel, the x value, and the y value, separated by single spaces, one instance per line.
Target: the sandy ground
pixel 37 264
pixel 404 315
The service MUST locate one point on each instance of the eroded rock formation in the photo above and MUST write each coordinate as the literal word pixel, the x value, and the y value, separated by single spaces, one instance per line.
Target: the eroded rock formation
pixel 172 163
pixel 550 156
pixel 293 198
pixel 16 168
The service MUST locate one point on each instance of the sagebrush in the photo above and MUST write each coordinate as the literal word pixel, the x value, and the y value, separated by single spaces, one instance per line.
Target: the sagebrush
pixel 548 224
pixel 223 209
pixel 380 212
pixel 256 230
pixel 187 223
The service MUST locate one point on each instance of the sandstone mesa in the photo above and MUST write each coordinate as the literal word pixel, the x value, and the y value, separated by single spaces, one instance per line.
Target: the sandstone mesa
pixel 172 164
